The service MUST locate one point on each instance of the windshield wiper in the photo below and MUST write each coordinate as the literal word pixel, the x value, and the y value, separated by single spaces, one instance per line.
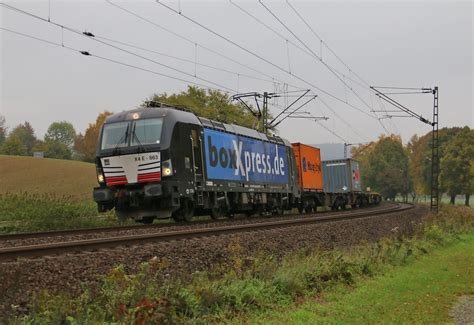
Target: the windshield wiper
pixel 135 136
pixel 121 140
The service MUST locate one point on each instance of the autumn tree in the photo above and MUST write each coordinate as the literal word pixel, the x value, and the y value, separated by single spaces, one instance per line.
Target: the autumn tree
pixel 385 167
pixel 420 157
pixel 456 175
pixel 85 144
pixel 212 104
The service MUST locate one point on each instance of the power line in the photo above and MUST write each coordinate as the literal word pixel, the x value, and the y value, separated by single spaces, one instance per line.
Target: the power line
pixel 325 44
pixel 291 42
pixel 337 57
pixel 91 36
pixel 324 63
pixel 261 58
pixel 349 126
pixel 183 59
pixel 196 43
pixel 86 53
pixel 331 131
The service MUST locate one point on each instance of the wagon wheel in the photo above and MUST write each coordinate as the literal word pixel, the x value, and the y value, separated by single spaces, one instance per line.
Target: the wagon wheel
pixel 279 211
pixel 300 209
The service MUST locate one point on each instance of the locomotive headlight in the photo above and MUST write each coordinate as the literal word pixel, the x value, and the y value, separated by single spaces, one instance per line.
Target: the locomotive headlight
pixel 167 168
pixel 100 178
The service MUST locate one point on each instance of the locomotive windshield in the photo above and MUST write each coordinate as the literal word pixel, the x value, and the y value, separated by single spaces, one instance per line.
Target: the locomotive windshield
pixel 147 131
pixel 115 135
pixel 134 133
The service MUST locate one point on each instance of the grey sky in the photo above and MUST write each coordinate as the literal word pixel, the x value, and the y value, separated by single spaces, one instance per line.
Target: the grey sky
pixel 407 44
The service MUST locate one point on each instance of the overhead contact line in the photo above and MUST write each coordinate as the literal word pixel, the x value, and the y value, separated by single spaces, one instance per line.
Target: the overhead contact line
pixel 325 64
pixel 92 37
pixel 87 53
pixel 198 44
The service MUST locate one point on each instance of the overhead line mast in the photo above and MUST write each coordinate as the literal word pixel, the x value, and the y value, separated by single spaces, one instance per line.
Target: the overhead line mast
pixel 434 201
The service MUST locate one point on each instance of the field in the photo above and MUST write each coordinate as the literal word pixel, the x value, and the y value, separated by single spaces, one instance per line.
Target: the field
pixel 40 194
pixel 47 176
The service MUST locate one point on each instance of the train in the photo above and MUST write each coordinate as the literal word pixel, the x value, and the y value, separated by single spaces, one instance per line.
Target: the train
pixel 166 162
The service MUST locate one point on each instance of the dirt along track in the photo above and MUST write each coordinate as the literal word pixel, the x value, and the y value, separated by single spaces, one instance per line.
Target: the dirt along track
pixel 69 270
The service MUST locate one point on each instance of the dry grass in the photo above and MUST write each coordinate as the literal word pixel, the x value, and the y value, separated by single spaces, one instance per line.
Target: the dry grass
pixel 47 176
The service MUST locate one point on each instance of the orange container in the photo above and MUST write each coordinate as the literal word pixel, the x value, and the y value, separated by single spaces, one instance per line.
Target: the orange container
pixel 308 162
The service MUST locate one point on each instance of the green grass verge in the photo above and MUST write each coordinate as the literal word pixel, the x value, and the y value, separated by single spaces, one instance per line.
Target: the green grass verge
pixel 27 212
pixel 247 288
pixel 420 293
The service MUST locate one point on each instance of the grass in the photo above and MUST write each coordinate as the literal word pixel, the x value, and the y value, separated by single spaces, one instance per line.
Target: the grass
pixel 42 212
pixel 422 292
pixel 367 281
pixel 53 177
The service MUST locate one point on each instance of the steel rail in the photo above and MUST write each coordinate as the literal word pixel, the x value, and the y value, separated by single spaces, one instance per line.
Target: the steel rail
pixel 83 231
pixel 100 243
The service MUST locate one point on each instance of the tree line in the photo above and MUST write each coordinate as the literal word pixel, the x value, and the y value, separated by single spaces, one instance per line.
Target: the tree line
pixel 61 140
pixel 387 165
pixel 393 169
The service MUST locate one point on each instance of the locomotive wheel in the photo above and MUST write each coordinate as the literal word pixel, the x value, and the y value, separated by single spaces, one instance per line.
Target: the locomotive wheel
pixel 184 213
pixel 147 220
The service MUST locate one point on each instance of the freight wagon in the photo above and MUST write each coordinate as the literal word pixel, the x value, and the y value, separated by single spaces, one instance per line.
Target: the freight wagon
pixel 310 177
pixel 342 185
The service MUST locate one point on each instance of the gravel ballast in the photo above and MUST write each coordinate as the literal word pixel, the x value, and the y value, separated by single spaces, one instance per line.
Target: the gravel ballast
pixel 463 311
pixel 70 272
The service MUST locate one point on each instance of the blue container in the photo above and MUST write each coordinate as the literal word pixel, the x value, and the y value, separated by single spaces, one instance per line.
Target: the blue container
pixel 341 176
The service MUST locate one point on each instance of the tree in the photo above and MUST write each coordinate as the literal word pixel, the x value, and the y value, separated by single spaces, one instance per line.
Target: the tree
pixel 385 167
pixel 85 145
pixel 420 157
pixel 24 134
pixel 457 175
pixel 212 104
pixel 62 132
pixel 53 149
pixel 3 130
pixel 13 146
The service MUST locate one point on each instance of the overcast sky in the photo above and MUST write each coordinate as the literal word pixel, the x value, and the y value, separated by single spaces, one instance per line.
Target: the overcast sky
pixel 404 44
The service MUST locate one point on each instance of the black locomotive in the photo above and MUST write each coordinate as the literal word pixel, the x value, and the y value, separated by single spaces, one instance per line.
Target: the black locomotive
pixel 166 162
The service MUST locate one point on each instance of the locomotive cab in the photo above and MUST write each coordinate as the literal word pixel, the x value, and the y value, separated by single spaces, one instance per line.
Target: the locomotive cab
pixel 145 163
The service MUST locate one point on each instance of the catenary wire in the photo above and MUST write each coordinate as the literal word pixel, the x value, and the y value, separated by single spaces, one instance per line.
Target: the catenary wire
pixel 184 60
pixel 102 57
pixel 321 60
pixel 325 44
pixel 115 47
pixel 130 12
pixel 293 43
pixel 264 59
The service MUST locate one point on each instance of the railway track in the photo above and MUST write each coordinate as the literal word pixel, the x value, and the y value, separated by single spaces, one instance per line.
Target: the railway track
pixel 156 226
pixel 73 246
